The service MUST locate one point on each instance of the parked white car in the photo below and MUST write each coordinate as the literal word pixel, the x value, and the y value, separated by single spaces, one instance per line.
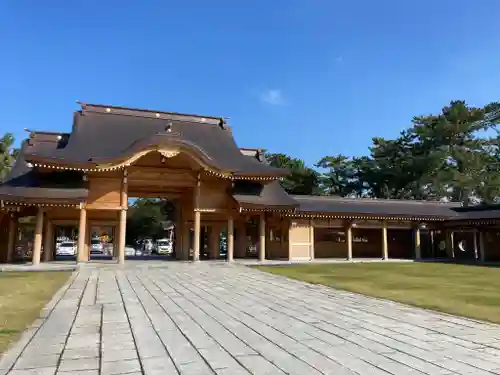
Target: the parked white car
pixel 164 246
pixel 60 240
pixel 96 246
pixel 129 251
pixel 67 248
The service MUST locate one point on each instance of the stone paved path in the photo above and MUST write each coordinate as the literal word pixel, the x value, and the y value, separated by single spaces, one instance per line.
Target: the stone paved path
pixel 210 318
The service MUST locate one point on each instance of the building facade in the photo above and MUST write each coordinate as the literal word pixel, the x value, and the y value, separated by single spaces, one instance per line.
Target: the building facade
pixel 84 179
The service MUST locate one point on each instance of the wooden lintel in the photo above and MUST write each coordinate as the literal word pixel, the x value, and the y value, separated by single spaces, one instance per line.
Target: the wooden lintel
pixel 160 170
pixel 170 182
pixel 96 206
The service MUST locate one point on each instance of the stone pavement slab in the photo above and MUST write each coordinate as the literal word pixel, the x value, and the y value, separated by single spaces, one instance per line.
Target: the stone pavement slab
pixel 215 318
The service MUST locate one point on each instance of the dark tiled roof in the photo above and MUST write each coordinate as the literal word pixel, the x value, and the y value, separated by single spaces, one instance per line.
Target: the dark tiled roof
pixel 27 185
pixel 491 211
pixel 253 195
pixel 102 137
pixel 257 196
pixel 386 207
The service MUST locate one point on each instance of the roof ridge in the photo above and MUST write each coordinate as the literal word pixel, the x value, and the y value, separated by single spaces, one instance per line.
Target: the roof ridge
pixel 45 132
pixel 364 199
pixel 147 110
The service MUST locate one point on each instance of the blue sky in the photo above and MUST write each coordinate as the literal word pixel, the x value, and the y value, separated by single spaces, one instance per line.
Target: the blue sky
pixel 304 77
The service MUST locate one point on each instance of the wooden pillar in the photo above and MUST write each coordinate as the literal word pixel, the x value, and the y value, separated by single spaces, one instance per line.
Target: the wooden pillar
pixel 262 237
pixel 197 220
pixel 348 232
pixel 11 245
pixel 311 239
pixel 48 244
pixel 214 241
pixel 37 247
pixel 418 248
pixel 433 250
pixel 475 247
pixel 482 248
pixel 452 235
pixel 230 239
pixel 385 250
pixel 82 234
pixel 450 244
pixel 197 236
pixel 123 219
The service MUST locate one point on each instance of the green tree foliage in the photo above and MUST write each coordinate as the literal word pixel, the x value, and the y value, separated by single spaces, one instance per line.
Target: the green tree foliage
pixel 453 155
pixel 302 180
pixel 146 216
pixel 8 154
pixel 340 176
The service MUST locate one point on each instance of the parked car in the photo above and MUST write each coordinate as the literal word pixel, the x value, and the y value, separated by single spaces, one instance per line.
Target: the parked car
pixel 96 246
pixel 60 240
pixel 67 249
pixel 252 249
pixel 164 246
pixel 129 251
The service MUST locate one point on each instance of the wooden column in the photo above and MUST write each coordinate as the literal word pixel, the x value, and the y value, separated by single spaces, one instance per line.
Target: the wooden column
pixel 197 235
pixel 385 250
pixel 123 219
pixel 418 248
pixel 482 248
pixel 311 240
pixel 37 247
pixel 475 247
pixel 450 244
pixel 262 237
pixel 230 239
pixel 197 220
pixel 348 238
pixel 11 245
pixel 82 234
pixel 48 244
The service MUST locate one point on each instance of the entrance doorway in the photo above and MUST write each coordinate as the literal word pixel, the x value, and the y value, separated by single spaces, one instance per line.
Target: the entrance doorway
pixel 66 242
pixel 150 229
pixel 102 242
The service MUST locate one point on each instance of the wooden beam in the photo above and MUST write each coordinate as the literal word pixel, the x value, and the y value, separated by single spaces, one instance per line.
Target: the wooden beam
pixel 158 181
pixel 161 170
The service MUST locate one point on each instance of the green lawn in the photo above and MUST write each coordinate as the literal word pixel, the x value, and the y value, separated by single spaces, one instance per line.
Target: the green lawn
pixel 470 291
pixel 22 296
